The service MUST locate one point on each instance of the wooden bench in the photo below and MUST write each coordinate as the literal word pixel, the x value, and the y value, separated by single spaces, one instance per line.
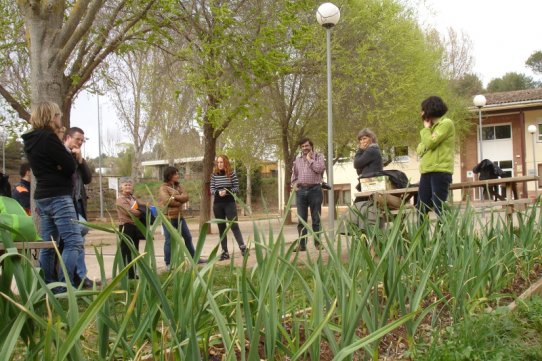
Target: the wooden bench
pixel 508 204
pixel 33 247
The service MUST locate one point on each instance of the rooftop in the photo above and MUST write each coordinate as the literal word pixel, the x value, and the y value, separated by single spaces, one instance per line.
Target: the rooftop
pixel 513 99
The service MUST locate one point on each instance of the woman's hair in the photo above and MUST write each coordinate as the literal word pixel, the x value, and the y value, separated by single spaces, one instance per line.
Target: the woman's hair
pixel 169 172
pixel 43 114
pixel 366 132
pixel 434 107
pixel 227 165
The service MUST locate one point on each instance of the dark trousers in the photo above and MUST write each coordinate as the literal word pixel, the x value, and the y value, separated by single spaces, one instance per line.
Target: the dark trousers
pixel 433 191
pixel 185 233
pixel 130 230
pixel 227 211
pixel 308 198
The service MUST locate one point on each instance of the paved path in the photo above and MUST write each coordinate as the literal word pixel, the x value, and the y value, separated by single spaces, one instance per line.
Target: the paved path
pixel 106 242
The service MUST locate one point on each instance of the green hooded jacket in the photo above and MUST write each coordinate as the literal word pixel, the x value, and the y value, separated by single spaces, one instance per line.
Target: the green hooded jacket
pixel 437 147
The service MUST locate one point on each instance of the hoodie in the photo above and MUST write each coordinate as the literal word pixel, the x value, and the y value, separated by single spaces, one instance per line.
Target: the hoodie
pixel 51 163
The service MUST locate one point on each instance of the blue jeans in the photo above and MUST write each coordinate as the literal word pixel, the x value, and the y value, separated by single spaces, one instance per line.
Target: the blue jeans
pixel 310 197
pixel 433 191
pixel 185 233
pixel 80 266
pixel 56 220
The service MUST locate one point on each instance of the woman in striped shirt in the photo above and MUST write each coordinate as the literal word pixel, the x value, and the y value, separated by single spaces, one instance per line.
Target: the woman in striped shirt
pixel 224 184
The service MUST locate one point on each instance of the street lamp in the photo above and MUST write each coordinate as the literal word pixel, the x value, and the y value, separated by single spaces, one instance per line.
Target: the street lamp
pixel 480 102
pixel 532 129
pixel 328 16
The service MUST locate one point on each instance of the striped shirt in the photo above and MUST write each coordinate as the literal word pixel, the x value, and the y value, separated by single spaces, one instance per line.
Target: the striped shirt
pixel 222 181
pixel 308 172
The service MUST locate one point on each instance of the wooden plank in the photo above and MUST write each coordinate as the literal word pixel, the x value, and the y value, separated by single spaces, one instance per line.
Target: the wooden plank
pixel 29 245
pixel 494 203
pixel 488 182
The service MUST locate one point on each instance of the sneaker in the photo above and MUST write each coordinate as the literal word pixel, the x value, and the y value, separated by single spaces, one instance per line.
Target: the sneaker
pixel 202 260
pixel 244 250
pixel 59 290
pixel 224 256
pixel 300 249
pixel 88 284
pixel 319 246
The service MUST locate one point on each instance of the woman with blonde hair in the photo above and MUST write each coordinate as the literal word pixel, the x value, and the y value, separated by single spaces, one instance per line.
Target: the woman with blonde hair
pixel 224 184
pixel 53 166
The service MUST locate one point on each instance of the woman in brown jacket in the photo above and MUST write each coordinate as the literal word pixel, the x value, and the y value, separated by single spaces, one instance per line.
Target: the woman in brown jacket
pixel 172 196
pixel 127 206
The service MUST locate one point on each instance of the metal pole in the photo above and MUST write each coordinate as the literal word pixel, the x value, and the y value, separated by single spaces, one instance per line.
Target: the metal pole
pixel 534 166
pixel 481 151
pixel 100 160
pixel 331 195
pixel 480 122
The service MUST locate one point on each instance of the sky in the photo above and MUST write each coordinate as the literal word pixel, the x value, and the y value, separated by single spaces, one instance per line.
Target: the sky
pixel 503 34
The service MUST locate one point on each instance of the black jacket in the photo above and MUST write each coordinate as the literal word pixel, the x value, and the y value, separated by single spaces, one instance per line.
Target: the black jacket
pixel 488 170
pixel 51 163
pixel 368 161
pixel 82 178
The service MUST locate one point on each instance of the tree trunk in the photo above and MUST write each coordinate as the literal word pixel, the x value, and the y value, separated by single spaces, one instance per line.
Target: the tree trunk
pixel 209 154
pixel 249 192
pixel 136 165
pixel 288 161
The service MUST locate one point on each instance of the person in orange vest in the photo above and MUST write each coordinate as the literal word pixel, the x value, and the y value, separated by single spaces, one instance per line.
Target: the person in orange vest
pixel 21 190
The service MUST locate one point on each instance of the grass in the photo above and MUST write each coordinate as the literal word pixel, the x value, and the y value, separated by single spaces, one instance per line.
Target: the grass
pixel 500 335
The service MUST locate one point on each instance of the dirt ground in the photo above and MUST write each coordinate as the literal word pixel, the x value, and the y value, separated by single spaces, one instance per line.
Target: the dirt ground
pixel 106 243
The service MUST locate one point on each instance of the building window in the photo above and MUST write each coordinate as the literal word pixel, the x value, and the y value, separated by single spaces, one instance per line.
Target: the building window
pixel 495 132
pixel 400 154
pixel 539 126
pixel 342 195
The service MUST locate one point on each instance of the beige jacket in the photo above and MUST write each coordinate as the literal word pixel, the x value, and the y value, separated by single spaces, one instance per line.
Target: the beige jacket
pixel 127 205
pixel 172 198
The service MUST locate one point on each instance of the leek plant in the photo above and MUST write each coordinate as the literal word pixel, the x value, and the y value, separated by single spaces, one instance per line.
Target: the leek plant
pixel 346 297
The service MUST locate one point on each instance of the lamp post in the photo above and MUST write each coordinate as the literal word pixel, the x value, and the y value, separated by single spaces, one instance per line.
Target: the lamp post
pixel 480 102
pixel 100 158
pixel 328 16
pixel 532 129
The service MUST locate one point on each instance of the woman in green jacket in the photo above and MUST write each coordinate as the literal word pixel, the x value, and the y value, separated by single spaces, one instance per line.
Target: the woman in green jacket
pixel 436 150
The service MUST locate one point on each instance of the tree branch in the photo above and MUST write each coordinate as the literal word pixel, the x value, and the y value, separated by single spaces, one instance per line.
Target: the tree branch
pixel 76 28
pixel 23 113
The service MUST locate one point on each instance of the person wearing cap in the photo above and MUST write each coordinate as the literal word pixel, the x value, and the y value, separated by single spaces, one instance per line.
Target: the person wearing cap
pixel 127 208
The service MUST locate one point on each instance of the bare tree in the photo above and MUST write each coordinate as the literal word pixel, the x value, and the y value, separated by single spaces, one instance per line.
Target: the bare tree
pixel 66 41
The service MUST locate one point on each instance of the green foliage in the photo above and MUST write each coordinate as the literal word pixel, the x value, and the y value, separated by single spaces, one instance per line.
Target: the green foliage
pixel 511 81
pixel 361 287
pixel 467 86
pixel 499 335
pixel 384 65
pixel 535 62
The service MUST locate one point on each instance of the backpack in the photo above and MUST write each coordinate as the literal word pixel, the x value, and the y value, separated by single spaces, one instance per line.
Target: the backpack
pixel 397 178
